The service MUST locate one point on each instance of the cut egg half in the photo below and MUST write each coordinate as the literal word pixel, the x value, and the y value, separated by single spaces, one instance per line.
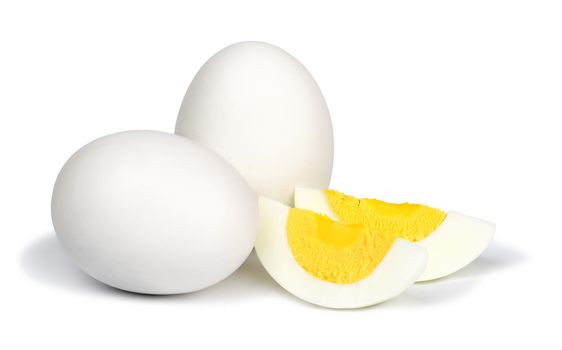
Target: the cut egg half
pixel 332 264
pixel 452 240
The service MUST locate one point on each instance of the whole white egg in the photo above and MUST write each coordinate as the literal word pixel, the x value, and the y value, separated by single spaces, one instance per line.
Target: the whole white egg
pixel 154 213
pixel 260 109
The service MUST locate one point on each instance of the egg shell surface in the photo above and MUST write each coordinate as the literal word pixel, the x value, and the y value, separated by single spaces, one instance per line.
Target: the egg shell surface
pixel 260 109
pixel 154 213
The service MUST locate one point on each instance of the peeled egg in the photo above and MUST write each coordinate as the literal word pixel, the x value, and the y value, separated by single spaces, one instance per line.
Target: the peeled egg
pixel 452 240
pixel 151 212
pixel 259 108
pixel 333 264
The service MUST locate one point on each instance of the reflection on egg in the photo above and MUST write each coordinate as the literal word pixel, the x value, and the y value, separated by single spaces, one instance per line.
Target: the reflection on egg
pixel 155 213
pixel 259 108
pixel 452 240
pixel 332 264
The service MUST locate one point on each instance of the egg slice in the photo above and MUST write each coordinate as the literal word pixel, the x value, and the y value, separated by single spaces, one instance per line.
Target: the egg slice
pixel 452 240
pixel 332 264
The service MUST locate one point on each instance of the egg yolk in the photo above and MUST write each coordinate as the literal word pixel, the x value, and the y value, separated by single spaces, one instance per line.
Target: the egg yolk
pixel 412 222
pixel 333 251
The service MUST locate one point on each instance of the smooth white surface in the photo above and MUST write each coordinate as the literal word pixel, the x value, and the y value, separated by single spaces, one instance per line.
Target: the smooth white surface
pixel 259 108
pixel 454 244
pixel 155 213
pixel 314 199
pixel 457 242
pixel 454 103
pixel 398 270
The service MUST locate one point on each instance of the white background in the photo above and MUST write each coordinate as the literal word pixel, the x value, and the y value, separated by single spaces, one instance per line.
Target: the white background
pixel 455 104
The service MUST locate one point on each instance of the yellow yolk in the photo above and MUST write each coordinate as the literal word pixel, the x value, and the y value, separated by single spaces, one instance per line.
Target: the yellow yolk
pixel 412 222
pixel 333 251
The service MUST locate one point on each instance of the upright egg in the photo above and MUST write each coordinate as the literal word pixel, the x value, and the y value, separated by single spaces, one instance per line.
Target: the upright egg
pixel 259 108
pixel 154 213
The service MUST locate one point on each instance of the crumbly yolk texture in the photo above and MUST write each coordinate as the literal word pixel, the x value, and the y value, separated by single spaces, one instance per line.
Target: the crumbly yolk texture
pixel 412 222
pixel 334 251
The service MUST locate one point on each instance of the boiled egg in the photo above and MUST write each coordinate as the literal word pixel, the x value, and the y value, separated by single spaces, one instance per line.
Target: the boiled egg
pixel 155 213
pixel 333 264
pixel 259 108
pixel 452 240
